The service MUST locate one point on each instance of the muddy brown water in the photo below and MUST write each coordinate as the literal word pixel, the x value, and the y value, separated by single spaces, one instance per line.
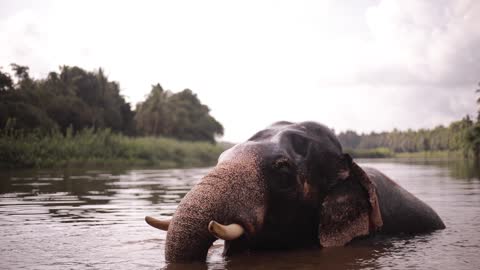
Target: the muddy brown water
pixel 80 219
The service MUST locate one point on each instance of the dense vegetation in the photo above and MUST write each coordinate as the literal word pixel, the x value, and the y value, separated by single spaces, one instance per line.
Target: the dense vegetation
pixel 179 115
pixel 72 98
pixel 101 147
pixel 77 115
pixel 78 99
pixel 451 138
pixel 460 137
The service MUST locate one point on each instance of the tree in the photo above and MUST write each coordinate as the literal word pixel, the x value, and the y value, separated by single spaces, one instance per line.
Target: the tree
pixel 478 103
pixel 473 135
pixel 73 97
pixel 21 72
pixel 180 115
pixel 6 82
pixel 349 139
pixel 151 117
pixel 192 119
pixel 77 99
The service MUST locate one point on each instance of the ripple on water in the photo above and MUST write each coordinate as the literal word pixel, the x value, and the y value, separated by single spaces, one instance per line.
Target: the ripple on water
pixel 95 219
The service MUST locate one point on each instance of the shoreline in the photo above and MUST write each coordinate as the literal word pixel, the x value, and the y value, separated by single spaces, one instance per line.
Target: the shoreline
pixel 387 153
pixel 102 148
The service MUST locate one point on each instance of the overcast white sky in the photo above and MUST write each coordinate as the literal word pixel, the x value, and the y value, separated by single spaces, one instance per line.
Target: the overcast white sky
pixel 363 65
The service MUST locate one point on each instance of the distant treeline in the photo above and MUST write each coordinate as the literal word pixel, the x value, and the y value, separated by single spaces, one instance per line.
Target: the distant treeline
pixel 462 137
pixel 76 99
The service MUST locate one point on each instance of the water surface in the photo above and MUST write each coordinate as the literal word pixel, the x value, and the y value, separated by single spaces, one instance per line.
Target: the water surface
pixel 64 219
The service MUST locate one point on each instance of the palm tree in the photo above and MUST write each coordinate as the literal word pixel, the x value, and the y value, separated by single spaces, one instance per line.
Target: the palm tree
pixel 478 102
pixel 151 116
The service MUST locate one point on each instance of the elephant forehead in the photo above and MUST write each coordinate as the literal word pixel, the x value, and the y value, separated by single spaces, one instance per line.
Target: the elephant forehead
pixel 247 152
pixel 297 135
pixel 290 139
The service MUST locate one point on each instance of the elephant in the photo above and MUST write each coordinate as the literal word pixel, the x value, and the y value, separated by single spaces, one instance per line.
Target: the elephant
pixel 290 186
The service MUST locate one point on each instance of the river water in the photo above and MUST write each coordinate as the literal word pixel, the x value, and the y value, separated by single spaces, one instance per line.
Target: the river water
pixel 80 219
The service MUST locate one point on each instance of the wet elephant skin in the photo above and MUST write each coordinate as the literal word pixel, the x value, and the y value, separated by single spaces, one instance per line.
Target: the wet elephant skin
pixel 291 186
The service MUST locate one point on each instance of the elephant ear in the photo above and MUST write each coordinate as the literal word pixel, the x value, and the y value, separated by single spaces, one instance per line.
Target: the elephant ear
pixel 350 210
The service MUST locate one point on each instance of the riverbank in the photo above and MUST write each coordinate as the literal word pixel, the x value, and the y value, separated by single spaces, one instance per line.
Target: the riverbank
pixel 371 153
pixel 387 153
pixel 102 148
pixel 432 155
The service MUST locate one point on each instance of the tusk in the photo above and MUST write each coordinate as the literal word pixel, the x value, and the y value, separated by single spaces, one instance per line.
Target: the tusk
pixel 225 232
pixel 159 224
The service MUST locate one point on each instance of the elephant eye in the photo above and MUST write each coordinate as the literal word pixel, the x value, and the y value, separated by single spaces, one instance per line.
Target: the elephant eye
pixel 300 144
pixel 284 174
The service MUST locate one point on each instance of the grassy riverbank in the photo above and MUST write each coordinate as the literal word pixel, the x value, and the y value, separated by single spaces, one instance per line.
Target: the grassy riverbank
pixel 371 153
pixel 387 153
pixel 432 155
pixel 101 148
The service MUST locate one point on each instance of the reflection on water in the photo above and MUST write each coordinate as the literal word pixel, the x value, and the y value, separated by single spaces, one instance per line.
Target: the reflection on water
pixel 80 219
pixel 459 169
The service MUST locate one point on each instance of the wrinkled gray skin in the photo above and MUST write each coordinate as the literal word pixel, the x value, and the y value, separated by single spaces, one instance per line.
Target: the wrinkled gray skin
pixel 291 186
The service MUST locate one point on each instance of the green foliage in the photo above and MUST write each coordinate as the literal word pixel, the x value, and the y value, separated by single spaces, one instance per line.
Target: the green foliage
pixel 473 139
pixel 380 152
pixel 431 155
pixel 73 97
pixel 460 137
pixel 6 82
pixel 81 99
pixel 473 134
pixel 99 147
pixel 79 117
pixel 451 138
pixel 180 115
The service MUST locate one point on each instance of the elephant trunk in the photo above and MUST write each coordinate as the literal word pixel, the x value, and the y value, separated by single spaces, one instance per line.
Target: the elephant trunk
pixel 229 194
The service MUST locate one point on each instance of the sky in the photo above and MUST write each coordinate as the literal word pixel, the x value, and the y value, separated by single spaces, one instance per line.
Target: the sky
pixel 361 65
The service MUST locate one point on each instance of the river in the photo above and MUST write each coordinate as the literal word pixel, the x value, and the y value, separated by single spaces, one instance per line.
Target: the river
pixel 94 219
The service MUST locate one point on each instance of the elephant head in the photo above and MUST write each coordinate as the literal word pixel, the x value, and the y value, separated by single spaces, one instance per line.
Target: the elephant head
pixel 290 185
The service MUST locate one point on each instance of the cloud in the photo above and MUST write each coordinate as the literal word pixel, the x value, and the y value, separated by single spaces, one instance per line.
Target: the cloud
pixel 423 43
pixel 424 55
pixel 364 65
